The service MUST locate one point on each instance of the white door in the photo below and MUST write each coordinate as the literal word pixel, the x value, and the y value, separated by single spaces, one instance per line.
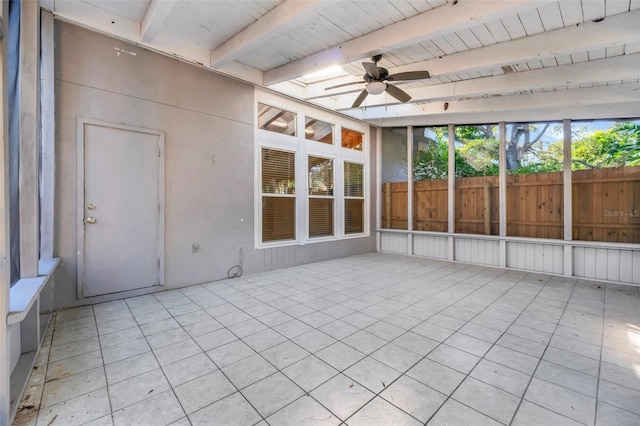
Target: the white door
pixel 122 212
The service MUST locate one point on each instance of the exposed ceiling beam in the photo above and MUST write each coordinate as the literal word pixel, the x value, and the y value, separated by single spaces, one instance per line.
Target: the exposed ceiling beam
pixel 91 17
pixel 613 101
pixel 439 21
pixel 613 31
pixel 102 21
pixel 282 18
pixel 602 70
pixel 156 15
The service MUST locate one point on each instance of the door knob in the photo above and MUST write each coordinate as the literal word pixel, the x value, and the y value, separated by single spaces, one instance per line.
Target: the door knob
pixel 91 220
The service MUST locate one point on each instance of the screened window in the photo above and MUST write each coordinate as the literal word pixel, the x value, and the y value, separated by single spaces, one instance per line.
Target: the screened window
pixel 278 195
pixel 476 186
pixel 394 179
pixel 605 164
pixel 534 157
pixel 276 120
pixel 430 179
pixel 353 198
pixel 352 139
pixel 317 130
pixel 320 197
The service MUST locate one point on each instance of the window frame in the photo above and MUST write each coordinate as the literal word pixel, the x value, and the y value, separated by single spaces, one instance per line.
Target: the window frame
pixel 332 197
pixel 363 198
pixel 276 195
pixel 303 148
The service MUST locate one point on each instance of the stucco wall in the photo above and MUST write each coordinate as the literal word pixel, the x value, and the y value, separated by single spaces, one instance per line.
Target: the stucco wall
pixel 209 159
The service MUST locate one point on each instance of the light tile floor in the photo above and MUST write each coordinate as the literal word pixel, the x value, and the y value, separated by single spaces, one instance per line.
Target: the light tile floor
pixel 368 340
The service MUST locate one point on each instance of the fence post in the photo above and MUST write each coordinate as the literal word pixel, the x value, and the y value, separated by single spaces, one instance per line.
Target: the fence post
pixel 487 207
pixel 387 204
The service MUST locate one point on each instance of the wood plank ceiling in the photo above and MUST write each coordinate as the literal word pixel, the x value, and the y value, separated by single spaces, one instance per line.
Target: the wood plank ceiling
pixel 552 57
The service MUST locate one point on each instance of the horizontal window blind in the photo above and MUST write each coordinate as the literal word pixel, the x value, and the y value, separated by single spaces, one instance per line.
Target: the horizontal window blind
pixel 320 176
pixel 310 172
pixel 354 198
pixel 353 216
pixel 278 172
pixel 353 180
pixel 321 189
pixel 320 217
pixel 278 218
pixel 278 199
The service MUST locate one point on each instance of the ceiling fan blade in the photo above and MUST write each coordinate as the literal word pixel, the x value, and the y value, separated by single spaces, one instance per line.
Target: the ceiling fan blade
pixel 344 84
pixel 359 99
pixel 399 94
pixel 409 75
pixel 372 69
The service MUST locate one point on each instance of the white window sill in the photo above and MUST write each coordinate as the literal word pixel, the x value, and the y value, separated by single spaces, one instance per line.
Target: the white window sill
pixel 315 240
pixel 26 291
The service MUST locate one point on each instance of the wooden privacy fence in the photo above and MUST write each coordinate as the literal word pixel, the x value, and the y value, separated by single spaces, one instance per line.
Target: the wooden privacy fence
pixel 606 205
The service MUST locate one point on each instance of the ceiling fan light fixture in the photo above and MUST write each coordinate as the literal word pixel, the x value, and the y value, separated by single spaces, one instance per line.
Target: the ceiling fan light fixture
pixel 376 87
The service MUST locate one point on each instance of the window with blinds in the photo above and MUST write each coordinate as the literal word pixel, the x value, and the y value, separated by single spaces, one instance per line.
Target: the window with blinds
pixel 310 185
pixel 352 139
pixel 278 195
pixel 353 198
pixel 321 198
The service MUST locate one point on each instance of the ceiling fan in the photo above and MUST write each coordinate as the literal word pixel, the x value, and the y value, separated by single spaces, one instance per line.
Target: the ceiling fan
pixel 376 79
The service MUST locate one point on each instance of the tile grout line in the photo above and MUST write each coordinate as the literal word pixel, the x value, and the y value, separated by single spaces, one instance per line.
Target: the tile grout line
pixel 155 357
pixel 248 290
pixel 542 356
pixel 205 354
pixel 126 304
pixel 339 340
pixel 604 315
pixel 483 357
pixel 257 353
pixel 456 330
pixel 51 325
pixel 443 343
pixel 104 365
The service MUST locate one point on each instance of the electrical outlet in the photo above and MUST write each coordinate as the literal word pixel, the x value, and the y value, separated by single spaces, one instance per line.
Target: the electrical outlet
pixel 195 248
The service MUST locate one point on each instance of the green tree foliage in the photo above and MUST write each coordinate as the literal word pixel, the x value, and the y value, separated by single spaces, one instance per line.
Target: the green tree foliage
pixel 475 156
pixel 616 146
pixel 478 152
pixel 527 150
